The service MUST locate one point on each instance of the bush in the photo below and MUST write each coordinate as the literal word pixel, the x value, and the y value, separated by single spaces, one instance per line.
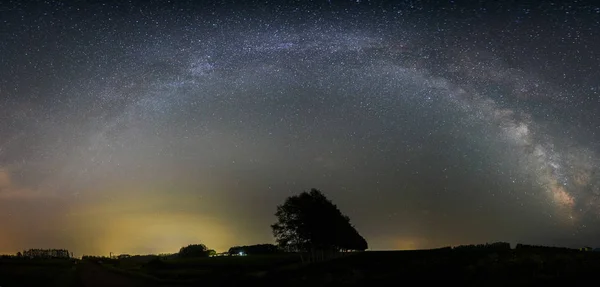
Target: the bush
pixel 194 250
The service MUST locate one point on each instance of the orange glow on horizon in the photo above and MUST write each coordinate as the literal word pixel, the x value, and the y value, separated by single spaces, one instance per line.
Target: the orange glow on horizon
pixel 146 223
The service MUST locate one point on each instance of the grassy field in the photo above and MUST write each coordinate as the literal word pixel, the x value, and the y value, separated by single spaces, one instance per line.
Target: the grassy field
pixel 389 268
pixel 205 270
pixel 38 272
pixel 465 268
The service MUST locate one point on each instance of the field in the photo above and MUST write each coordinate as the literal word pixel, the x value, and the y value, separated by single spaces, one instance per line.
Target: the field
pixel 464 268
pixel 38 272
pixel 213 270
pixel 372 268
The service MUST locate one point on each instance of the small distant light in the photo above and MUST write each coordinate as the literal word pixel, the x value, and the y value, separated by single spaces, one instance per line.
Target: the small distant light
pixel 241 253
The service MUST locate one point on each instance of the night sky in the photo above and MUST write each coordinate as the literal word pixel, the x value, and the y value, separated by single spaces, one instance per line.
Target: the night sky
pixel 142 127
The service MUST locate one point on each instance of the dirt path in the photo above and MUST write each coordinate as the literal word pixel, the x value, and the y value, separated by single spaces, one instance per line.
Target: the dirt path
pixel 93 275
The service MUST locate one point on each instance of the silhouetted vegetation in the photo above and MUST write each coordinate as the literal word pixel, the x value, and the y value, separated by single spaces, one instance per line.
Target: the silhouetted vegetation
pixel 488 247
pixel 194 250
pixel 258 249
pixel 310 229
pixel 45 253
pixel 490 264
pixel 493 264
pixel 539 248
pixel 310 222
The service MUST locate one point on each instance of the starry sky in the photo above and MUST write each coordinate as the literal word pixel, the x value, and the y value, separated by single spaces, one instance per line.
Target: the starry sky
pixel 141 127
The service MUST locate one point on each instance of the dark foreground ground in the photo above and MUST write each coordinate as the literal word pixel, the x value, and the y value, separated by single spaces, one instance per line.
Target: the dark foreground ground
pixel 389 268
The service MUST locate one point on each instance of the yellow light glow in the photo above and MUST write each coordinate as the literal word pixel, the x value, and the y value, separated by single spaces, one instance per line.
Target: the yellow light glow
pixel 145 223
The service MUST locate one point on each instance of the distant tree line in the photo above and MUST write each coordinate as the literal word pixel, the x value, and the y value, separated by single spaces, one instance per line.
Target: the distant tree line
pixel 505 246
pixel 526 247
pixel 494 247
pixel 45 253
pixel 258 249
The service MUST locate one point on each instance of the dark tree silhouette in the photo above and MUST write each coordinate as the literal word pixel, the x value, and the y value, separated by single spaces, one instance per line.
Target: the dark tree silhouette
pixel 309 221
pixel 194 250
pixel 46 253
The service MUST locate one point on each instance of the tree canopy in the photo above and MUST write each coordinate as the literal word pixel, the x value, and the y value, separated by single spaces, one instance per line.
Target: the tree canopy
pixel 311 221
pixel 194 250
